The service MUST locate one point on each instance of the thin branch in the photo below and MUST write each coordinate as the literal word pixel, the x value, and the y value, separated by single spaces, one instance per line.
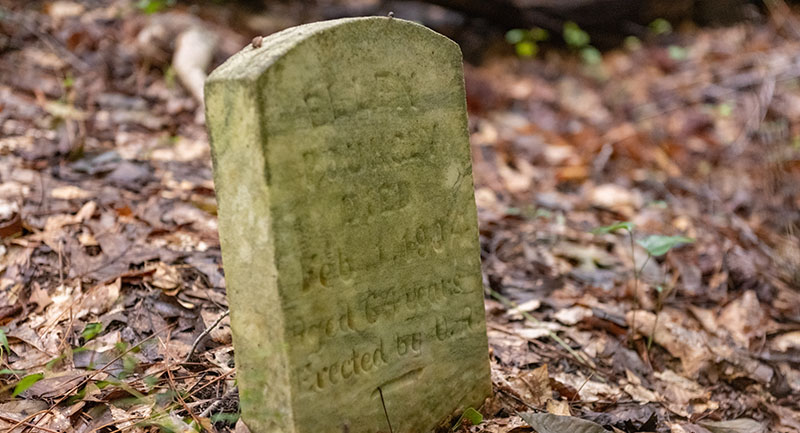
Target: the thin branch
pixel 510 304
pixel 385 412
pixel 204 334
pixel 213 406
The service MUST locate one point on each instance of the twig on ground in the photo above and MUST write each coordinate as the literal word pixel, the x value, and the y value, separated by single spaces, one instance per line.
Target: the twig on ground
pixel 27 424
pixel 180 398
pixel 213 406
pixel 204 334
pixel 510 304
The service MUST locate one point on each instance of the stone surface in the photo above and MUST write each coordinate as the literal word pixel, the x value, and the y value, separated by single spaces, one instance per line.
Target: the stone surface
pixel 348 228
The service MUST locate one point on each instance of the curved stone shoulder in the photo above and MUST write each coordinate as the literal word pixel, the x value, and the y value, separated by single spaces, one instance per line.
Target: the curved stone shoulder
pixel 250 63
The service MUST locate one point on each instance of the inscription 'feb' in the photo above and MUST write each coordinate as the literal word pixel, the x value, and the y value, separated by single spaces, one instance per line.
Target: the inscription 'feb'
pixel 348 229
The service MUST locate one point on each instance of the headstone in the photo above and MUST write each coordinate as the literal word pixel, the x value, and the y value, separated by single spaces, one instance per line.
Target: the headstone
pixel 348 228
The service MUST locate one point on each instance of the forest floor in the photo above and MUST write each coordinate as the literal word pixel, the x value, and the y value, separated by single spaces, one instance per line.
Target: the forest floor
pixel 111 288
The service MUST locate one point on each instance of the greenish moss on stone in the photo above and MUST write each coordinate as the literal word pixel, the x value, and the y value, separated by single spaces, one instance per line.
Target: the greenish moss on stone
pixel 348 228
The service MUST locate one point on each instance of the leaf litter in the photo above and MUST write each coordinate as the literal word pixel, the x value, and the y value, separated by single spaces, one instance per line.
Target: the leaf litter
pixel 112 305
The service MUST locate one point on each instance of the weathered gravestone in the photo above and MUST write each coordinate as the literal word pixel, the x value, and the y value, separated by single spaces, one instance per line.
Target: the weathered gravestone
pixel 348 228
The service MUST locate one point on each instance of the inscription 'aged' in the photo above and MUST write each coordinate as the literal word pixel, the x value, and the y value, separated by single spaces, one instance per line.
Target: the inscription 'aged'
pixel 348 228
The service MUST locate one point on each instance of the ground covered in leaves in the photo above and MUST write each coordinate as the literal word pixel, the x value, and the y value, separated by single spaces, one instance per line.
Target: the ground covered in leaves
pixel 112 297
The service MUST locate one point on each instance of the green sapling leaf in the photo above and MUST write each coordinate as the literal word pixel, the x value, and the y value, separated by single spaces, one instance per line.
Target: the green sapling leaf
pixel 470 414
pixel 623 225
pixel 4 348
pixel 91 330
pixel 473 416
pixel 26 382
pixel 658 245
pixel 515 36
pixel 574 36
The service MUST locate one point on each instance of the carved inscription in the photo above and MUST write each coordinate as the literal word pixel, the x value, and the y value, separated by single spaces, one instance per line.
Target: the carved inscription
pixel 325 102
pixel 327 265
pixel 400 302
pixel 367 359
pixel 346 157
pixel 363 362
pixel 390 322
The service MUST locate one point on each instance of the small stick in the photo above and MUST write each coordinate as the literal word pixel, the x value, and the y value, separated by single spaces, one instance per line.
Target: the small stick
pixel 174 388
pixel 204 334
pixel 385 412
pixel 217 403
pixel 27 424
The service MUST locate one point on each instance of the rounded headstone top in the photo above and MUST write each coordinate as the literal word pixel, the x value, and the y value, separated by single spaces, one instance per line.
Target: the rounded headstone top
pixel 251 62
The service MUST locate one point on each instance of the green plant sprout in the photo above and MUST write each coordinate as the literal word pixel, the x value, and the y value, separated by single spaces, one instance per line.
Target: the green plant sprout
pixel 629 227
pixel 91 330
pixel 4 347
pixel 470 414
pixel 154 6
pixel 677 52
pixel 632 43
pixel 574 36
pixel 660 26
pixel 525 41
pixel 227 418
pixel 26 382
pixel 577 39
pixel 55 361
pixel 656 246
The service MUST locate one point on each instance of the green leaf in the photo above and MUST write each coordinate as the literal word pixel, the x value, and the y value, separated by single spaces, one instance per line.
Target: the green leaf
pixel 91 330
pixel 515 36
pixel 7 371
pixel 26 382
pixel 677 52
pixel 227 418
pixel 658 245
pixel 151 381
pixel 153 6
pixel 526 49
pixel 725 109
pixel 591 55
pixel 129 364
pixel 470 414
pixel 574 36
pixel 632 43
pixel 4 343
pixel 473 416
pixel 53 362
pixel 68 82
pixel 539 34
pixel 623 225
pixel 660 26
